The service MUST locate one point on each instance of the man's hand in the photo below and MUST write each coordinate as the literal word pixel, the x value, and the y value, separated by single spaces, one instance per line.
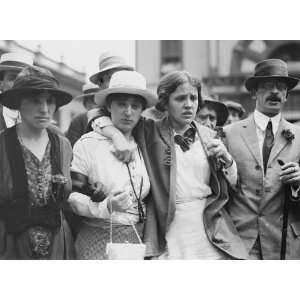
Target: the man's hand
pixel 217 149
pixel 290 173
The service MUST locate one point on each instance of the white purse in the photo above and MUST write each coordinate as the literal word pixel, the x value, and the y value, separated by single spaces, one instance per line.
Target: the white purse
pixel 125 251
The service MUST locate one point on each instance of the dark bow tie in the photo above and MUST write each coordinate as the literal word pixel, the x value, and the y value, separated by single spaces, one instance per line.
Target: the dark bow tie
pixel 185 140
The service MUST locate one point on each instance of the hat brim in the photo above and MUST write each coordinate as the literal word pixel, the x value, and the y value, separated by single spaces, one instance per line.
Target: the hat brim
pixel 100 98
pixel 94 77
pixel 221 110
pixel 11 98
pixel 79 97
pixel 251 82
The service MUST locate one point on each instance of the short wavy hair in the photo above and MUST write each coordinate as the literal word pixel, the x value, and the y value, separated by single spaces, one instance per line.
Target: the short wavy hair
pixel 170 82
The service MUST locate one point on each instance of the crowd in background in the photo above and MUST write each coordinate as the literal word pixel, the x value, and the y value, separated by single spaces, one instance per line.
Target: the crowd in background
pixel 171 175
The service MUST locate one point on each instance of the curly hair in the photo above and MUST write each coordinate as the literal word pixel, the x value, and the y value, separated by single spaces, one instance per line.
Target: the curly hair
pixel 169 83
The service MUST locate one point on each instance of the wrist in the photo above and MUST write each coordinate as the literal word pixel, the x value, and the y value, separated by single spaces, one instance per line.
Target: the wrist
pixel 228 162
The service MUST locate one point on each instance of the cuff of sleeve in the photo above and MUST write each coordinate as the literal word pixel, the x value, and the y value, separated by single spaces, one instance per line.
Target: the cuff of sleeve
pixel 295 192
pixel 231 173
pixel 103 211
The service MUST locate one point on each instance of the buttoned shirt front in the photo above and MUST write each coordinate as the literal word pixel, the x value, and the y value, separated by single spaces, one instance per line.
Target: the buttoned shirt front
pixel 261 122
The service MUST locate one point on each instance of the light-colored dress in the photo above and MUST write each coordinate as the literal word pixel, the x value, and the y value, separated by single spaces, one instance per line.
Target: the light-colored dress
pixel 186 237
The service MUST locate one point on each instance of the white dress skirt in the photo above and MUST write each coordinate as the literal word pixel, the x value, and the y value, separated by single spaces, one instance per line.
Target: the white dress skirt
pixel 186 238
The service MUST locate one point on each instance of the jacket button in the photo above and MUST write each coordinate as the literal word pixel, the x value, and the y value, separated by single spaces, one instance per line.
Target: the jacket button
pixel 257 167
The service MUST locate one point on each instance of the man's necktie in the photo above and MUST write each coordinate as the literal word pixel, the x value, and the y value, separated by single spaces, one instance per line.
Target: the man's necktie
pixel 185 140
pixel 268 144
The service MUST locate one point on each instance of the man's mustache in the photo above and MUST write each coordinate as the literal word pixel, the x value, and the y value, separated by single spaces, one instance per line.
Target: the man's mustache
pixel 274 98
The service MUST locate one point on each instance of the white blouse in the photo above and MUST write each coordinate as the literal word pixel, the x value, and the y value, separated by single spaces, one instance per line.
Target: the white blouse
pixel 93 158
pixel 192 173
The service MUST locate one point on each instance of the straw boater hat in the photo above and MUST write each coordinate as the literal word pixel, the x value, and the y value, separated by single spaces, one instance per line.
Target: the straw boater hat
pixel 271 69
pixel 235 106
pixel 34 79
pixel 14 61
pixel 88 89
pixel 219 107
pixel 108 61
pixel 127 82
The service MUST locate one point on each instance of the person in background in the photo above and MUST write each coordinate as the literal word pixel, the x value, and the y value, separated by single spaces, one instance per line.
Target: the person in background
pixel 109 63
pixel 235 110
pixel 78 125
pixel 34 172
pixel 125 185
pixel 212 113
pixel 10 66
pixel 266 150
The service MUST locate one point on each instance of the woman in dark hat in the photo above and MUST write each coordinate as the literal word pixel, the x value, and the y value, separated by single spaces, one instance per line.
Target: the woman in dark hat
pixel 186 218
pixel 34 172
pixel 212 113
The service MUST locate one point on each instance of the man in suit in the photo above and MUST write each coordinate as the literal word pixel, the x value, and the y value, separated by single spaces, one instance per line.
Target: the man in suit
pixel 259 144
pixel 10 66
pixel 78 125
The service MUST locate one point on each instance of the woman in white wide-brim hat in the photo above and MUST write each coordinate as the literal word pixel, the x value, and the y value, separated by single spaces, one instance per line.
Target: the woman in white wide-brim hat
pixel 124 186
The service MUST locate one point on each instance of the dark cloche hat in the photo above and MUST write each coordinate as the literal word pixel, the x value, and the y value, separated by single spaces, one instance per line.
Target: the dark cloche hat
pixel 34 79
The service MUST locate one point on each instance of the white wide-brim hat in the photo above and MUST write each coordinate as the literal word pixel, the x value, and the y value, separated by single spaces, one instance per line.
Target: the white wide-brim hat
pixel 88 89
pixel 127 82
pixel 109 61
pixel 15 61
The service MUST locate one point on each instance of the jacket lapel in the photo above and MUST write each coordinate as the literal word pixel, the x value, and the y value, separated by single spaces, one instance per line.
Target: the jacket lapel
pixel 2 121
pixel 280 142
pixel 250 138
pixel 214 181
pixel 166 134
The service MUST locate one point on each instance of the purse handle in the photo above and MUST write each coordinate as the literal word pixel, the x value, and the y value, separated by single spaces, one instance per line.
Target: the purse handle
pixel 137 234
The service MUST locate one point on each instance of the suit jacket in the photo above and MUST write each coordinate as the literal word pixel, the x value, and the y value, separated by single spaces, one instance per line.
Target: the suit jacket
pixel 256 204
pixel 77 128
pixel 156 141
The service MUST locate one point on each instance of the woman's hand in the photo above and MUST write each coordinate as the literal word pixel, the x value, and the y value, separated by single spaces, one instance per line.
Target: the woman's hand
pixel 119 200
pixel 124 151
pixel 216 148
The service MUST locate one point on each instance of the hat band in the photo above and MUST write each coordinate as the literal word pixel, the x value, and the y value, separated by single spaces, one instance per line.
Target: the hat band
pixel 35 83
pixel 13 64
pixel 90 91
pixel 272 71
pixel 111 61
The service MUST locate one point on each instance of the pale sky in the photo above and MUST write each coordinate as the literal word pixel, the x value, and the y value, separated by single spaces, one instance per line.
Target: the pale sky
pixel 83 55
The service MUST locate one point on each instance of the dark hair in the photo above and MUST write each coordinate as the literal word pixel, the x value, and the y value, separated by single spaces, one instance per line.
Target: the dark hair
pixel 120 96
pixel 170 82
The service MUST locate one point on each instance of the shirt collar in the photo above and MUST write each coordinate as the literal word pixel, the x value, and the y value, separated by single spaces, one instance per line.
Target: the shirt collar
pixel 262 120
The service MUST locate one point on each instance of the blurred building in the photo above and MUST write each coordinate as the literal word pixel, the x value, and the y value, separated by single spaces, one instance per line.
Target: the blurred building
pixel 223 65
pixel 70 80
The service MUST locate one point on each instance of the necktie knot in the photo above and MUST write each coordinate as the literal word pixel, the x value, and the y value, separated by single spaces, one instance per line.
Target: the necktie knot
pixel 185 140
